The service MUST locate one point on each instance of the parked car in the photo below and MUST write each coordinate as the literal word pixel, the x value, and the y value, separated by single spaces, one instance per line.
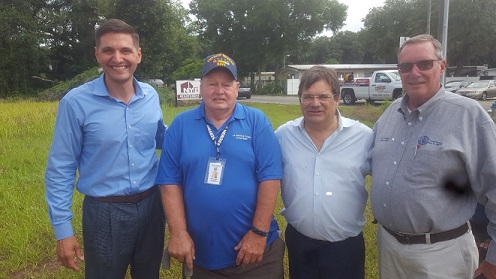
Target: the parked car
pixel 481 90
pixel 454 85
pixel 244 91
pixel 156 82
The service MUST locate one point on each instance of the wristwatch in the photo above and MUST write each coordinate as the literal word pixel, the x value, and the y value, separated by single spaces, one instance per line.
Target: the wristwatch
pixel 259 231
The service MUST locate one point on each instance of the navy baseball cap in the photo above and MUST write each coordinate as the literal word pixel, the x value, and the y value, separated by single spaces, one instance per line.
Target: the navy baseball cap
pixel 219 60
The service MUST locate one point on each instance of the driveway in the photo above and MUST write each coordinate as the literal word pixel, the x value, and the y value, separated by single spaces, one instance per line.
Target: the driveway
pixel 294 100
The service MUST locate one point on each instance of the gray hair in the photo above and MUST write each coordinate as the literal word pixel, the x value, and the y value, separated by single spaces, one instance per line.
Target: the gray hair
pixel 438 48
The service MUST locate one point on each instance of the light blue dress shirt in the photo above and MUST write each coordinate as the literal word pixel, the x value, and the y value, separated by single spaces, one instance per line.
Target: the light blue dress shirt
pixel 323 191
pixel 111 144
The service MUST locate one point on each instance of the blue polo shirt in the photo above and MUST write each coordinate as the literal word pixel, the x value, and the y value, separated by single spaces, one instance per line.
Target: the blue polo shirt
pixel 218 216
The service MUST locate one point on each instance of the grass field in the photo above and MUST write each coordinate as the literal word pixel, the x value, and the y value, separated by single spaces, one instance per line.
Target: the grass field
pixel 27 245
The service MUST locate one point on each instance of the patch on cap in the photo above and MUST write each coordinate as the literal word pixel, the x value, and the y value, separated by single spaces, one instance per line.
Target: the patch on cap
pixel 219 60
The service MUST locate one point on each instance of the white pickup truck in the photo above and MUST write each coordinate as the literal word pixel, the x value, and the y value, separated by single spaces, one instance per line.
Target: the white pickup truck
pixel 383 85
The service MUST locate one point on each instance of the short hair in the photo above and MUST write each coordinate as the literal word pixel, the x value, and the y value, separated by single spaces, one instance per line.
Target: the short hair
pixel 116 26
pixel 438 48
pixel 316 73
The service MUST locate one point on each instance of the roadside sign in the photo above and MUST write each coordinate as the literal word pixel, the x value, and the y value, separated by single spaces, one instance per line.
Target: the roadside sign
pixel 187 90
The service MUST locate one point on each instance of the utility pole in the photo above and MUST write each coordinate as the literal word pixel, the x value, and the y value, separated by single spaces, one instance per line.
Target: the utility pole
pixel 284 60
pixel 445 36
pixel 429 17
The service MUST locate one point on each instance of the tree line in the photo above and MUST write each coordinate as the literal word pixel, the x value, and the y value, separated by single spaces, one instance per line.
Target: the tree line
pixel 47 41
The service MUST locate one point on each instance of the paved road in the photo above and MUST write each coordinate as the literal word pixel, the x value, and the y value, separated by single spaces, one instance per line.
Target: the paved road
pixel 294 100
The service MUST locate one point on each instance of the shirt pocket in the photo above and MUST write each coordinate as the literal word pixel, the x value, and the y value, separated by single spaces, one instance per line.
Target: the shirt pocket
pixel 146 136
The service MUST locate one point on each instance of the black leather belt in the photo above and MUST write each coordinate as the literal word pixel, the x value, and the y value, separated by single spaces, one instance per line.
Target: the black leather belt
pixel 432 238
pixel 127 199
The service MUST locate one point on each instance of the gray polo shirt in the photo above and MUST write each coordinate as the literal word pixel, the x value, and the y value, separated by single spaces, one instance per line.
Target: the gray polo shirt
pixel 428 166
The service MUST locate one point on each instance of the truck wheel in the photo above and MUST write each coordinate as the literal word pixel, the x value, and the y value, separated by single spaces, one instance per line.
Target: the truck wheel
pixel 484 96
pixel 348 97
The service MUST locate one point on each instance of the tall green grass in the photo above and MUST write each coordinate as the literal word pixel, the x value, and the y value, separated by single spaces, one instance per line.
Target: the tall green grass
pixel 27 244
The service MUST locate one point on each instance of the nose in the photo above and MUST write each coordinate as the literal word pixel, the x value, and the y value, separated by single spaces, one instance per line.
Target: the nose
pixel 117 56
pixel 315 102
pixel 219 89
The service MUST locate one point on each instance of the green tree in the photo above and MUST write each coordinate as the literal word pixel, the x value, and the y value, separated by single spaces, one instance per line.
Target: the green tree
pixel 23 59
pixel 385 25
pixel 471 33
pixel 190 70
pixel 324 50
pixel 69 27
pixel 350 46
pixel 258 33
pixel 471 29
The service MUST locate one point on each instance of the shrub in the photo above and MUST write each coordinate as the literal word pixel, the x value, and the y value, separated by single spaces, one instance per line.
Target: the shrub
pixel 271 89
pixel 58 91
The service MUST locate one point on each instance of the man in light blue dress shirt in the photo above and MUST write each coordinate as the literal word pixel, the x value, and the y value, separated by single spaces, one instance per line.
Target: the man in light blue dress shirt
pixel 107 131
pixel 325 160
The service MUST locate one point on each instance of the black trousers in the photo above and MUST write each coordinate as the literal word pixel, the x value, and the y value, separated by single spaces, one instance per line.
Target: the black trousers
pixel 317 259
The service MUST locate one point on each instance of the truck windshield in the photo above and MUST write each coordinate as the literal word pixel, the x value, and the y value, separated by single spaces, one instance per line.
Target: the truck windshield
pixel 395 75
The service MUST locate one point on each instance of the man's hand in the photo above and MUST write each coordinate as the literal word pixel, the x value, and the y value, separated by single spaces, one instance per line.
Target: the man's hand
pixel 489 270
pixel 66 248
pixel 182 248
pixel 250 249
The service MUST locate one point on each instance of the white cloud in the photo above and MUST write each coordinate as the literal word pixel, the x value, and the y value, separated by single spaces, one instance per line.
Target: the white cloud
pixel 357 10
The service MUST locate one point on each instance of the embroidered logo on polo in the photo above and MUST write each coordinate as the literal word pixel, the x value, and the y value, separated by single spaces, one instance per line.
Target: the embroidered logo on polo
pixel 241 137
pixel 423 140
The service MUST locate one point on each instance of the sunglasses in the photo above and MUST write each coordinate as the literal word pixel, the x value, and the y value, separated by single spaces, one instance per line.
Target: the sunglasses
pixel 423 65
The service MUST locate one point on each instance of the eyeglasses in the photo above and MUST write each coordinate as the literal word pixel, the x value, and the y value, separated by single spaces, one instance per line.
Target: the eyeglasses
pixel 422 65
pixel 307 98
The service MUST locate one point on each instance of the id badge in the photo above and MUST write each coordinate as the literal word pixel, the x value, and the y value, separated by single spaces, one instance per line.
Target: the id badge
pixel 215 171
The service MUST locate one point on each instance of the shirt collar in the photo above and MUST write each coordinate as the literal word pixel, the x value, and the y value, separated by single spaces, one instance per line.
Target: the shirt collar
pixel 427 107
pixel 101 89
pixel 238 112
pixel 343 122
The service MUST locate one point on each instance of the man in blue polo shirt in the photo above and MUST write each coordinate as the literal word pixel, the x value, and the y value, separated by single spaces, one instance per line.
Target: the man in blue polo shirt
pixel 219 175
pixel 107 130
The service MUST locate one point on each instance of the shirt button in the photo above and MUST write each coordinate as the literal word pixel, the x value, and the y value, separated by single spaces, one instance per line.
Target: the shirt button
pixel 132 164
pixel 134 182
pixel 420 118
pixel 392 138
pixel 402 142
pixel 409 123
pixel 129 126
pixel 329 193
pixel 384 205
pixel 318 173
pixel 387 183
pixel 394 163
pixel 316 194
pixel 131 146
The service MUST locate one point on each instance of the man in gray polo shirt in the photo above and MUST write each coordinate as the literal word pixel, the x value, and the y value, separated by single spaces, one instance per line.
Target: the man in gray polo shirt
pixel 433 158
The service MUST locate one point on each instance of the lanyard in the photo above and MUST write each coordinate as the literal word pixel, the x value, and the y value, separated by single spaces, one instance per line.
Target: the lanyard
pixel 217 142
